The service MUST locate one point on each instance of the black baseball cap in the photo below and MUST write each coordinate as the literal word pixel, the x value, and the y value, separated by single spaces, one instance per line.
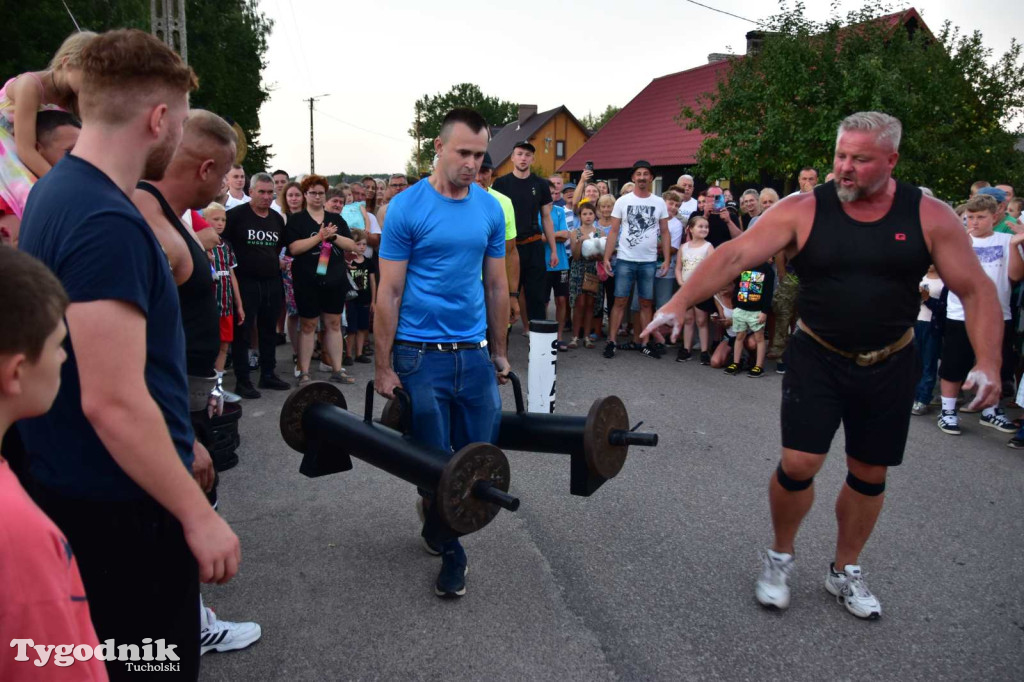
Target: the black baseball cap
pixel 525 144
pixel 641 164
pixel 487 163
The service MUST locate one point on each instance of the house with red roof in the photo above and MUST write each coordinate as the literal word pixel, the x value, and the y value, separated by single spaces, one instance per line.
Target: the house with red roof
pixel 648 127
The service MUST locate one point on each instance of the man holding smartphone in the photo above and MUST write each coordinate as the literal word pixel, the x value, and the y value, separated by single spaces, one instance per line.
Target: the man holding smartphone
pixel 722 225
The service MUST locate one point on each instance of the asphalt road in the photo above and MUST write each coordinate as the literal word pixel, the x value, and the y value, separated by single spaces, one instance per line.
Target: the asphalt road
pixel 649 579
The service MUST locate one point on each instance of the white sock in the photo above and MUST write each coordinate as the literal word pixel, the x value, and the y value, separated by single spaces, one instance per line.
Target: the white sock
pixel 988 412
pixel 948 403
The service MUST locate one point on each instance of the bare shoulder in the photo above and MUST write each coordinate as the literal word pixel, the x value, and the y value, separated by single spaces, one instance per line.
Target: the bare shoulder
pixel 939 221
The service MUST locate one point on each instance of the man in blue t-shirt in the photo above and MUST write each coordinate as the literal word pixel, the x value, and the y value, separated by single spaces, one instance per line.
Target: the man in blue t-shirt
pixel 558 276
pixel 434 312
pixel 112 460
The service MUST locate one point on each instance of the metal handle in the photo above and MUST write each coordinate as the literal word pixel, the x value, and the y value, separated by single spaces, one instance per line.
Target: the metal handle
pixel 517 390
pixel 405 407
pixel 485 490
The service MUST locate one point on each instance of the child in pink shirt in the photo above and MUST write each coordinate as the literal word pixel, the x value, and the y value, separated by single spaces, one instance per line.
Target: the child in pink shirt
pixel 41 593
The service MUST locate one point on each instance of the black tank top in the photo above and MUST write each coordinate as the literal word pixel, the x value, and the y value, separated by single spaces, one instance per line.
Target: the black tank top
pixel 859 282
pixel 200 316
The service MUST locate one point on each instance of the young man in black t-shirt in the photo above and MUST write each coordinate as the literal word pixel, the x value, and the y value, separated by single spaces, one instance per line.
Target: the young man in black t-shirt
pixel 530 196
pixel 254 232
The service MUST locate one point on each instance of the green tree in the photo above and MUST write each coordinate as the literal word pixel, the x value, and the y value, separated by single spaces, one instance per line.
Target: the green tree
pixel 34 30
pixel 595 123
pixel 775 112
pixel 430 111
pixel 227 46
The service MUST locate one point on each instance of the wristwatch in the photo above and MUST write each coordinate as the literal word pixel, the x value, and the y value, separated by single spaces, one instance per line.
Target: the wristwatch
pixel 514 294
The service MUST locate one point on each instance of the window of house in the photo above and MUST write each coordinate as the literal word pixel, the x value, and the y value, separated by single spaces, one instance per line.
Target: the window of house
pixel 560 149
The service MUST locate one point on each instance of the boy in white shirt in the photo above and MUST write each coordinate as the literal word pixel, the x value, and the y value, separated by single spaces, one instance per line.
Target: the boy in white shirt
pixel 1001 258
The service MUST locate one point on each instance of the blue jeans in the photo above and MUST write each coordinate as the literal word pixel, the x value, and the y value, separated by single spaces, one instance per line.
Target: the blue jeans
pixel 628 272
pixel 454 395
pixel 664 289
pixel 929 347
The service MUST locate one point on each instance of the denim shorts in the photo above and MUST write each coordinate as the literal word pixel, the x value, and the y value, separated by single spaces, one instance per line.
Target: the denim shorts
pixel 628 272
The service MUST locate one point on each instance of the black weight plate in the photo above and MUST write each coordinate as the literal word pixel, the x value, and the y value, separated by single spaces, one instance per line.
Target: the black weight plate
pixel 459 508
pixel 391 417
pixel 295 406
pixel 606 415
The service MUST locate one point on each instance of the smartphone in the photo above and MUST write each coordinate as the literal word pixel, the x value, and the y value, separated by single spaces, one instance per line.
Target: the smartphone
pixel 719 202
pixel 589 165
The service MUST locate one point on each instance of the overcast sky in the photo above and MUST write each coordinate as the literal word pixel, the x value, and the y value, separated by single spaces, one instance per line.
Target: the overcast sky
pixel 374 62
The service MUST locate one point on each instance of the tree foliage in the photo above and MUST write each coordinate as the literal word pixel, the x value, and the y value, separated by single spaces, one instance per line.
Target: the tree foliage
pixel 431 110
pixel 778 111
pixel 227 43
pixel 227 46
pixel 594 123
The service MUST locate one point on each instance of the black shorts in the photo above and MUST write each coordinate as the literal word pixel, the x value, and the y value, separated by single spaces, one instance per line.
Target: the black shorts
pixel 558 281
pixel 315 298
pixel 821 389
pixel 707 306
pixel 357 317
pixel 957 354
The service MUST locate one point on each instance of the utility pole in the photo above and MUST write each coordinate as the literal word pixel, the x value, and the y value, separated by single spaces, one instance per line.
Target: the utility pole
pixel 168 24
pixel 312 160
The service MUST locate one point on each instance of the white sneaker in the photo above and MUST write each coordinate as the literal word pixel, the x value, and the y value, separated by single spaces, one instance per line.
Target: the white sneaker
pixel 324 367
pixel 298 372
pixel 849 588
pixel 223 635
pixel 772 590
pixel 998 421
pixel 919 408
pixel 949 422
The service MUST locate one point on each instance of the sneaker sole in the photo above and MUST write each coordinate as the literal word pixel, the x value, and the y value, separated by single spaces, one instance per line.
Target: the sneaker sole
pixel 997 427
pixel 452 595
pixel 770 605
pixel 949 431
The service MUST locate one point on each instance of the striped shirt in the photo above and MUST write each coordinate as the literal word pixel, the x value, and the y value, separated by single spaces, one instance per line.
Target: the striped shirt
pixel 223 263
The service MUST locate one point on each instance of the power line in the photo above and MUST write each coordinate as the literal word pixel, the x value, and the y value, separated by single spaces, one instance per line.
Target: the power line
pixel 353 125
pixel 721 11
pixel 298 34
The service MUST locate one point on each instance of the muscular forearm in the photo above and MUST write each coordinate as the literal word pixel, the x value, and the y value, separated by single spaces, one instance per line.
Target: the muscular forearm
pixel 721 267
pixel 512 265
pixel 549 231
pixel 133 430
pixel 497 317
pixel 385 322
pixel 984 320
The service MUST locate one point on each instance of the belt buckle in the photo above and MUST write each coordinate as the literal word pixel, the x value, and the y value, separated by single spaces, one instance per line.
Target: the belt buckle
pixel 873 358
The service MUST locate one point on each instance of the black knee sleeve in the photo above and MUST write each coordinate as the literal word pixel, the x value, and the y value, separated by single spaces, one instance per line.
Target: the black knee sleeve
pixel 863 487
pixel 791 484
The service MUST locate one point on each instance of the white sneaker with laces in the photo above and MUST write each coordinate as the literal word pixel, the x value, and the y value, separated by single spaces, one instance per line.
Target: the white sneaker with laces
pixel 949 422
pixel 849 588
pixel 223 635
pixel 998 421
pixel 772 590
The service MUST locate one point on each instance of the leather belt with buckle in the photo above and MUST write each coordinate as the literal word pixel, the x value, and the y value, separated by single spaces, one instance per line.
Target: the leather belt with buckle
pixel 450 347
pixel 866 359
